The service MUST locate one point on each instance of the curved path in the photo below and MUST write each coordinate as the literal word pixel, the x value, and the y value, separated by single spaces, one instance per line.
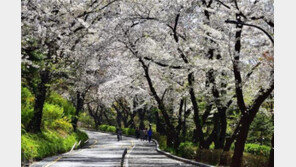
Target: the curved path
pixel 103 149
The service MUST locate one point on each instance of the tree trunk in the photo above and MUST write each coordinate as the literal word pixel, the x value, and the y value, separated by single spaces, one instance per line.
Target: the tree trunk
pixel 271 155
pixel 141 114
pixel 35 123
pixel 170 129
pixel 242 135
pixel 160 128
pixel 240 144
pixel 223 126
pixel 79 107
pixel 198 133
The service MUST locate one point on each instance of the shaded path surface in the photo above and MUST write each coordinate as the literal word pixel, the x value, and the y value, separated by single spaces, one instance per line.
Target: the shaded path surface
pixel 103 149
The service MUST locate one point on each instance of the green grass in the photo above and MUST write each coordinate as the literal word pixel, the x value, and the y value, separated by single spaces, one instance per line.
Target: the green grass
pixel 48 143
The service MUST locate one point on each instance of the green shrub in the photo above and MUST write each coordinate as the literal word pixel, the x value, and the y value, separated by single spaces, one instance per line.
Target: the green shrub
pixel 47 143
pixel 62 124
pixel 187 150
pixel 131 131
pixel 209 156
pixel 86 120
pixel 213 157
pixel 162 141
pixel 27 106
pixel 125 131
pixel 52 112
pixel 257 149
pixel 111 129
pixel 128 131
pixel 57 99
pixel 103 128
pixel 170 150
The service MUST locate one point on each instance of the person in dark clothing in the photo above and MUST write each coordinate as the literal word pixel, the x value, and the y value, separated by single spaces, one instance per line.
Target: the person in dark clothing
pixel 146 134
pixel 119 134
pixel 137 133
pixel 142 134
pixel 149 134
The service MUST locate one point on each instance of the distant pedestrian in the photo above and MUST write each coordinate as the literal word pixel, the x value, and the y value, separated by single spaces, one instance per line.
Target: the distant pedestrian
pixel 149 134
pixel 119 134
pixel 142 134
pixel 137 132
pixel 146 134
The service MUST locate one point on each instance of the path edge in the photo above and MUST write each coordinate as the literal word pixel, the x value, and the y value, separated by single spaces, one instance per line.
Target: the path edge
pixel 179 158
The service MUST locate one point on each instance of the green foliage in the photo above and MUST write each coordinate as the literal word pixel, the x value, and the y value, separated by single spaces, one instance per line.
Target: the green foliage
pixel 61 125
pixel 187 150
pixel 86 120
pixel 161 139
pixel 261 129
pixel 170 150
pixel 107 128
pixel 257 149
pixel 213 157
pixel 103 128
pixel 47 143
pixel 27 106
pixel 57 99
pixel 209 156
pixel 57 134
pixel 128 131
pixel 111 129
pixel 52 112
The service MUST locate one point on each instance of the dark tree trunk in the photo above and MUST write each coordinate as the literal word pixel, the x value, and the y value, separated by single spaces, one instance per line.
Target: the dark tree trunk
pixel 118 117
pixel 131 122
pixel 240 143
pixel 271 155
pixel 223 126
pixel 141 114
pixel 107 118
pixel 35 123
pixel 179 126
pixel 96 115
pixel 184 126
pixel 170 129
pixel 198 133
pixel 79 107
pixel 160 127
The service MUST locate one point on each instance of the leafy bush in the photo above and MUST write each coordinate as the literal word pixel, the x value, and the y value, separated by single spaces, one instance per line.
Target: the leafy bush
pixel 111 129
pixel 86 120
pixel 128 131
pixel 103 128
pixel 257 149
pixel 47 143
pixel 52 112
pixel 170 150
pixel 187 150
pixel 162 141
pixel 27 106
pixel 213 157
pixel 57 99
pixel 61 125
pixel 209 156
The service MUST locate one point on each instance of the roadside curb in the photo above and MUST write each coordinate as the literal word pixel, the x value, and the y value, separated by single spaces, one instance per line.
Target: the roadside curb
pixel 179 158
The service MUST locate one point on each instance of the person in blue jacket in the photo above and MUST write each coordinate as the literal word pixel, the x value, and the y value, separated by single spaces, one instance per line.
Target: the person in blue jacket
pixel 150 133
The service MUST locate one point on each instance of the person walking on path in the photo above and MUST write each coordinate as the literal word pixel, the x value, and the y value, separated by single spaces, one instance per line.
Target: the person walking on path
pixel 119 134
pixel 149 134
pixel 142 134
pixel 137 132
pixel 146 134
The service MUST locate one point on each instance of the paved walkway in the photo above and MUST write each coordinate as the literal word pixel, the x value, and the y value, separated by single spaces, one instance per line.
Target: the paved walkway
pixel 103 149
